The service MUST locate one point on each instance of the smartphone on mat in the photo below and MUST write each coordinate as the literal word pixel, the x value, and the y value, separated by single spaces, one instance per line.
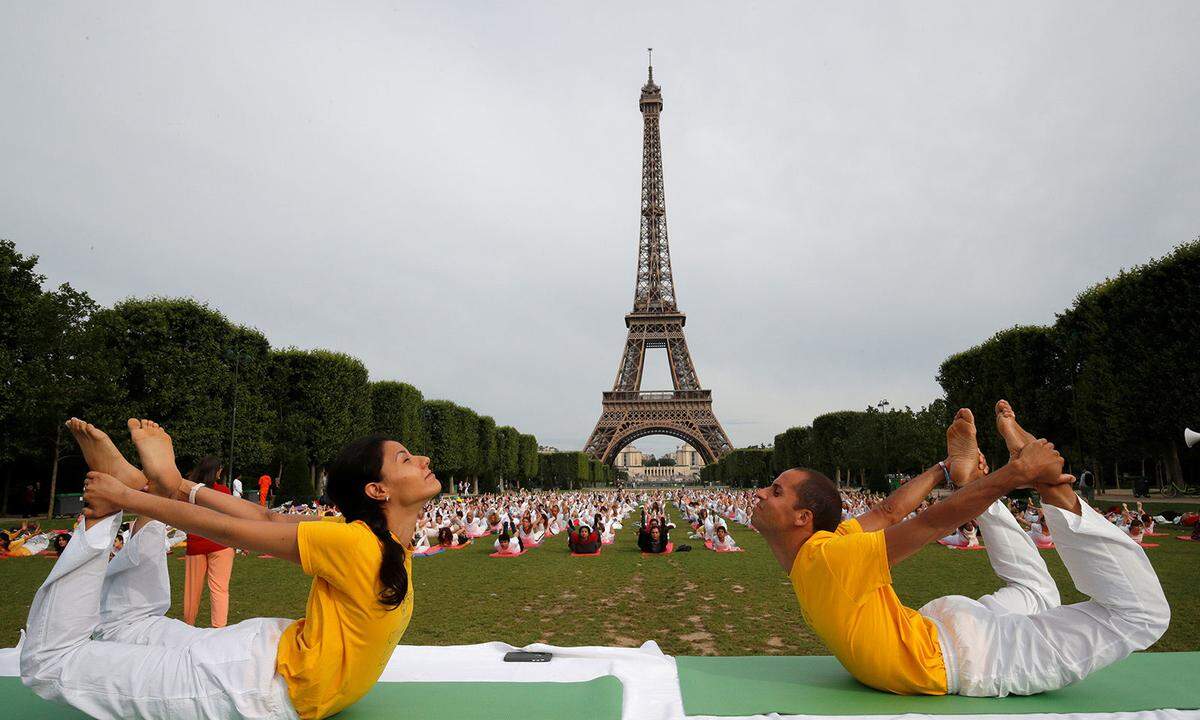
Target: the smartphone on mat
pixel 522 656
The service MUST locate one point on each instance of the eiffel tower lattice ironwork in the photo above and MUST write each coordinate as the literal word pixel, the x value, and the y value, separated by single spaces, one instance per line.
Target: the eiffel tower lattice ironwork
pixel 656 322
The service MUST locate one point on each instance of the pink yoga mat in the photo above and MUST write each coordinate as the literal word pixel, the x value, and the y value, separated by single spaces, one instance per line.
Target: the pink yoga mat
pixel 507 555
pixel 595 554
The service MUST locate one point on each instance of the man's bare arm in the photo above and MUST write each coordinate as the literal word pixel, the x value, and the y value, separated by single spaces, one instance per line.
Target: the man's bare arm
pixel 906 498
pixel 906 538
pixel 1038 463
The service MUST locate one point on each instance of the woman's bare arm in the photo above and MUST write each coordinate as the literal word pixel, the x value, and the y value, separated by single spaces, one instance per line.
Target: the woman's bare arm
pixel 235 506
pixel 258 535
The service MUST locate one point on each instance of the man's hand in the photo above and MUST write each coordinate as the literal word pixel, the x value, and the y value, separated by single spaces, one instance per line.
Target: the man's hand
pixel 1037 464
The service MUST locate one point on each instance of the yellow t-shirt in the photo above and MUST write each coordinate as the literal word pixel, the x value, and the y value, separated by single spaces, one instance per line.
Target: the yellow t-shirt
pixel 336 653
pixel 844 586
pixel 17 548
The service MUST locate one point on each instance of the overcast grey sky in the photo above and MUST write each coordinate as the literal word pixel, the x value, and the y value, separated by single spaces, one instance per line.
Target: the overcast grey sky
pixel 449 190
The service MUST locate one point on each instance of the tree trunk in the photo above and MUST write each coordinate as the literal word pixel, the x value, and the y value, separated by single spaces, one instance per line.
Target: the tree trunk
pixel 1117 473
pixel 475 489
pixel 1174 467
pixel 54 471
pixel 7 482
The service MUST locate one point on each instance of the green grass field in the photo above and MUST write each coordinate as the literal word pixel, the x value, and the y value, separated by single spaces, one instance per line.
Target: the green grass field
pixel 697 603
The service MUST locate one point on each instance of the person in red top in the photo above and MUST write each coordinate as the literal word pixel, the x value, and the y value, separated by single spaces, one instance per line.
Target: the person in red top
pixel 207 560
pixel 264 489
pixel 583 540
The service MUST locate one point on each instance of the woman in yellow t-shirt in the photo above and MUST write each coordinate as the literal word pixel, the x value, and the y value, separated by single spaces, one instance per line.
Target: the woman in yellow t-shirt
pixel 95 626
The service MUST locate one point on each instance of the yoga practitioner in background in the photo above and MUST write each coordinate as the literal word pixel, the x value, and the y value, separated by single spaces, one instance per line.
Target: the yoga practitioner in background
pixel 207 562
pixel 98 638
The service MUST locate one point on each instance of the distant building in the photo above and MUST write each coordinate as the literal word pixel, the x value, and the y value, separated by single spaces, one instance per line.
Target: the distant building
pixel 547 449
pixel 685 470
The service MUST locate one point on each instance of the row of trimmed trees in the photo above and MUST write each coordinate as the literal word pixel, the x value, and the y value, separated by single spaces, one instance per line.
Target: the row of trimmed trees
pixel 1112 383
pixel 188 367
pixel 573 469
pixel 851 446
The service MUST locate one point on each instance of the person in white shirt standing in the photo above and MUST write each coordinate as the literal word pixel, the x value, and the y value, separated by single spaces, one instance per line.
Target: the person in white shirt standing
pixel 237 486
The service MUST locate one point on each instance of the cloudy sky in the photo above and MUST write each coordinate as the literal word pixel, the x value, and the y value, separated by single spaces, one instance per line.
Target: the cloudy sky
pixel 449 191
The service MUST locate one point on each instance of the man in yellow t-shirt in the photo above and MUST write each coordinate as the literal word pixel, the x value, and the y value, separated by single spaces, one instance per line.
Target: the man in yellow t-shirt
pixel 1019 640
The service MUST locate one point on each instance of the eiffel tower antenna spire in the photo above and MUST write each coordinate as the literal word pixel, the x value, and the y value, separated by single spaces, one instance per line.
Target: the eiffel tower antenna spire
pixel 655 322
pixel 650 63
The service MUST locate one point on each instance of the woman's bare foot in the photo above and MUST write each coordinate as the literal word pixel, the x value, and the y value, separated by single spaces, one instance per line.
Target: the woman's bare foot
pixel 962 449
pixel 103 456
pixel 158 456
pixel 1014 435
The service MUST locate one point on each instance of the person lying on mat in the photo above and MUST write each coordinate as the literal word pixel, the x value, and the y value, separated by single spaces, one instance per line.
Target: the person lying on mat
pixel 993 646
pixel 722 540
pixel 448 538
pixel 529 535
pixel 98 638
pixel 652 538
pixel 1039 531
pixel 966 535
pixel 583 540
pixel 508 542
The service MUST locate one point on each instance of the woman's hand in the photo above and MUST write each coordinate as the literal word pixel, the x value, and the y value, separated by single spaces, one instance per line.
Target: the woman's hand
pixel 103 495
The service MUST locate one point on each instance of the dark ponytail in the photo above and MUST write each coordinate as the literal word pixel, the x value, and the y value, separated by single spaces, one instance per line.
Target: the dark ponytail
pixel 359 464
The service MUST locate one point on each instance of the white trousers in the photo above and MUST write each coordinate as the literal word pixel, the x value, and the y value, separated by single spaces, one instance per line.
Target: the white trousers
pixel 97 639
pixel 1020 640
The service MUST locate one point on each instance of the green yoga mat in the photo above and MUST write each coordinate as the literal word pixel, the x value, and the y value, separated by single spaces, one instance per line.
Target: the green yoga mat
pixel 598 699
pixel 733 686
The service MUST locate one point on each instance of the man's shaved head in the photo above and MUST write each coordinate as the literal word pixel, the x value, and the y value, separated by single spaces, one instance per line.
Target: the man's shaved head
pixel 819 495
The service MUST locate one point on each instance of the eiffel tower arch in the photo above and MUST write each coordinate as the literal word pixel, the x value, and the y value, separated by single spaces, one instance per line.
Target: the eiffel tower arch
pixel 627 412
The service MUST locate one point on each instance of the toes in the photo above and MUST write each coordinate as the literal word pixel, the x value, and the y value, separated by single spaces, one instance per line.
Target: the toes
pixel 965 414
pixel 133 424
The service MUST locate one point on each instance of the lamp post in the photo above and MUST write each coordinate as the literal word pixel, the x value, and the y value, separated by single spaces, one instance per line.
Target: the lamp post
pixel 236 356
pixel 883 406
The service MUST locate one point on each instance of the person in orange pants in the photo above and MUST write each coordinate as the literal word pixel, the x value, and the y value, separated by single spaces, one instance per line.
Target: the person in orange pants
pixel 264 489
pixel 207 561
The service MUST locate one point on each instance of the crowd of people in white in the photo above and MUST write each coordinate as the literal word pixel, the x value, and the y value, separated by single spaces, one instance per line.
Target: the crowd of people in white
pixel 526 519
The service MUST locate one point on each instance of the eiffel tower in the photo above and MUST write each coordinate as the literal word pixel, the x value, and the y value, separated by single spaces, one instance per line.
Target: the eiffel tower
pixel 656 322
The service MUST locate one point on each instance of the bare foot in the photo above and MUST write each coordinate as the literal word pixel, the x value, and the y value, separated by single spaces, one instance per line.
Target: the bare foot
pixel 158 456
pixel 103 456
pixel 1014 435
pixel 962 449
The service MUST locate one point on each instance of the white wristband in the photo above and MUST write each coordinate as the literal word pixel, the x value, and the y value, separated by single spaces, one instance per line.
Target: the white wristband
pixel 192 493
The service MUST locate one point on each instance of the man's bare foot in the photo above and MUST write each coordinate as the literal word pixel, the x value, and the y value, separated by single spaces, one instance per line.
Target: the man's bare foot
pixel 962 449
pixel 103 456
pixel 1014 435
pixel 158 456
